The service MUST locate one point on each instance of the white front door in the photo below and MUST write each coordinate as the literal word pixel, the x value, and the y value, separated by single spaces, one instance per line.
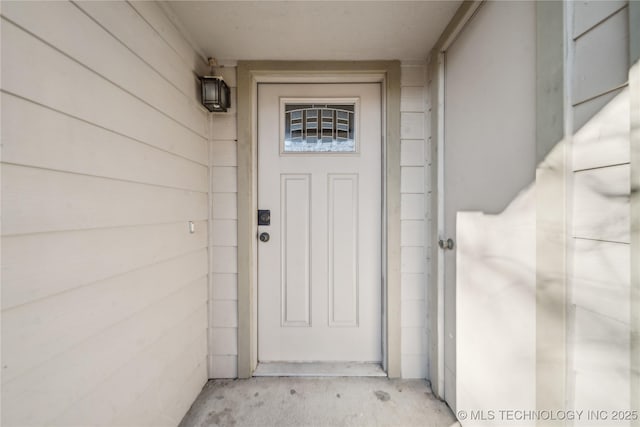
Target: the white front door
pixel 319 175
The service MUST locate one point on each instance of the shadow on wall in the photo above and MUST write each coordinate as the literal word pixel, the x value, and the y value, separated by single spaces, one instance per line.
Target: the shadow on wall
pixel 496 283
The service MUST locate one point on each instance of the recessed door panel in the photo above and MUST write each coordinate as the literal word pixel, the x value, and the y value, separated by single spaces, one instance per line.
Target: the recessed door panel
pixel 295 249
pixel 343 250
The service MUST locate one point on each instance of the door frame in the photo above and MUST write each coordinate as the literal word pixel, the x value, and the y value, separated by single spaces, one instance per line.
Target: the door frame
pixel 436 266
pixel 249 75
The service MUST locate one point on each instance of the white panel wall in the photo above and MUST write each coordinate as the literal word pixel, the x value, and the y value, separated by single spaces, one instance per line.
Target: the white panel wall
pixel 414 161
pixel 600 283
pixel 104 162
pixel 223 339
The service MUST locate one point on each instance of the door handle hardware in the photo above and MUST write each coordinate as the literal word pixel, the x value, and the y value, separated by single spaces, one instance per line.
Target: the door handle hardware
pixel 264 217
pixel 448 244
pixel 264 237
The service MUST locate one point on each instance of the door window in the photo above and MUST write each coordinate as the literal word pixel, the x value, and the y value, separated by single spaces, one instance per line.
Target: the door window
pixel 312 126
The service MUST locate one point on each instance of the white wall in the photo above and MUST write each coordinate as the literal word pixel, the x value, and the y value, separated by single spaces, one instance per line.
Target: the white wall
pixel 596 149
pixel 599 296
pixel 489 167
pixel 414 188
pixel 104 162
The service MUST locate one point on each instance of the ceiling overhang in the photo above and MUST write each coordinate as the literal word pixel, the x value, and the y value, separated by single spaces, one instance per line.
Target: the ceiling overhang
pixel 313 30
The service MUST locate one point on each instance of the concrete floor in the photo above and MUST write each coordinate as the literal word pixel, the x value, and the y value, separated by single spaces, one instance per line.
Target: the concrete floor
pixel 304 401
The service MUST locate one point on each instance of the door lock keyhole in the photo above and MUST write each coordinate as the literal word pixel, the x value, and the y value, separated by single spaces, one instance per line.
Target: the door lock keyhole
pixel 264 237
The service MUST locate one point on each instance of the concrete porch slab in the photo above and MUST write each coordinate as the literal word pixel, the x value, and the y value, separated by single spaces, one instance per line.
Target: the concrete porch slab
pixel 304 401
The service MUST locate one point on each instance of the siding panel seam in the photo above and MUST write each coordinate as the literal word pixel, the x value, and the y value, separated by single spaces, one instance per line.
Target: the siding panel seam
pixel 93 282
pixel 96 125
pixel 86 67
pixel 191 102
pixel 591 98
pixel 600 22
pixel 105 177
pixel 119 322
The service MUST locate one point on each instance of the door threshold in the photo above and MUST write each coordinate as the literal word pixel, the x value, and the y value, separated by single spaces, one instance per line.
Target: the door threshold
pixel 319 369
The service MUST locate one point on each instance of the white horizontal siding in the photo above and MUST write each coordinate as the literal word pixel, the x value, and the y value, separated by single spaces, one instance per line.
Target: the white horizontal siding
pixel 72 88
pixel 601 204
pixel 41 19
pixel 176 345
pixel 601 363
pixel 412 206
pixel 602 278
pixel 40 200
pixel 97 306
pixel 590 13
pixel 604 139
pixel 55 386
pixel 223 319
pixel 584 111
pixel 104 151
pixel 414 166
pixel 36 266
pixel 225 286
pixel 601 57
pixel 600 259
pixel 184 373
pixel 132 29
pixel 166 28
pixel 76 146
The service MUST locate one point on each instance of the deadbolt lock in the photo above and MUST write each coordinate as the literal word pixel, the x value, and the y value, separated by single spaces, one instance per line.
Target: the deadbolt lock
pixel 264 217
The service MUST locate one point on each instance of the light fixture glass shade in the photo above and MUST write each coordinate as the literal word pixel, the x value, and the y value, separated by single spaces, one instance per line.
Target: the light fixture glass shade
pixel 215 94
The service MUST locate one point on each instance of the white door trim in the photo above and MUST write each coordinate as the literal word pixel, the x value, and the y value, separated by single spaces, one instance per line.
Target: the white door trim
pixel 250 73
